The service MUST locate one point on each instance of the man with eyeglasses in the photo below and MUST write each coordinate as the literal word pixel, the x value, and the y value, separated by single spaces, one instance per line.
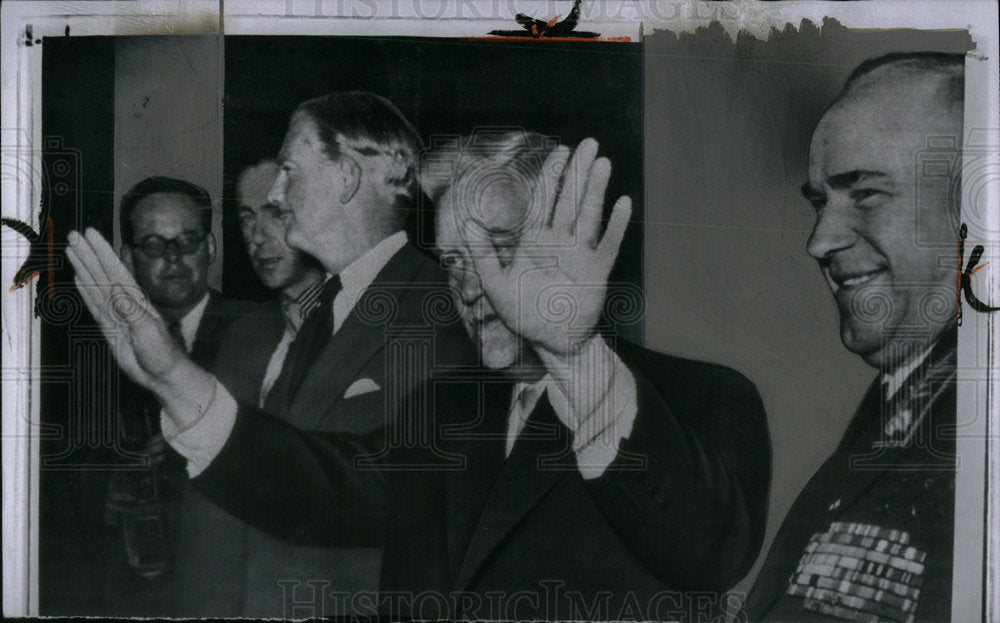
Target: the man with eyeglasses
pixel 167 245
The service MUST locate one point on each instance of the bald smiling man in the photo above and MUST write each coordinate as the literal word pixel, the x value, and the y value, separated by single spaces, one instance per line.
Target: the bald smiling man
pixel 870 537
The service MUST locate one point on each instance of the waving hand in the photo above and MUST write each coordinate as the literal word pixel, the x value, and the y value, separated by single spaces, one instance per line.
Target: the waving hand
pixel 551 289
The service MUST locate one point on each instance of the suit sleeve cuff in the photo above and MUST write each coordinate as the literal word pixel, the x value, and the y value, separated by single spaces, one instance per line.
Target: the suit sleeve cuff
pixel 201 442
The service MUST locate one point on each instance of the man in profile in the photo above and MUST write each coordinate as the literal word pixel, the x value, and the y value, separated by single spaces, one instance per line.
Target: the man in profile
pixel 344 186
pixel 255 349
pixel 870 536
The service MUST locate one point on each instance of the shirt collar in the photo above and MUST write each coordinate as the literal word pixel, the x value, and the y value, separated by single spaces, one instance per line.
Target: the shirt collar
pixel 298 308
pixel 191 321
pixel 524 400
pixel 360 274
pixel 893 380
pixel 534 392
pixel 306 296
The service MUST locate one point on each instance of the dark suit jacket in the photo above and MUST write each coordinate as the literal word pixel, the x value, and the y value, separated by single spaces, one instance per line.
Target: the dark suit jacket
pixel 903 489
pixel 220 312
pixel 473 535
pixel 210 548
pixel 232 569
pixel 246 349
pixel 125 593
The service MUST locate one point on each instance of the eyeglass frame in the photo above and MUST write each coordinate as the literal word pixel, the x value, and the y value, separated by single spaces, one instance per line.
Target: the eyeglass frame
pixel 141 246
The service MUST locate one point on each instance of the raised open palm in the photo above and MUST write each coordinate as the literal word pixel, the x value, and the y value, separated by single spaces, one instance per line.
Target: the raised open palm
pixel 551 288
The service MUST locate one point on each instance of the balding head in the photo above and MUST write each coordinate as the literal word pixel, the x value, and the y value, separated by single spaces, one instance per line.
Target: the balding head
pixel 943 73
pixel 484 184
pixel 884 223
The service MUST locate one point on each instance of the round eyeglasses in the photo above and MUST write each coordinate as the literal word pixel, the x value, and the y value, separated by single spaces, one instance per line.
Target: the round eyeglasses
pixel 155 246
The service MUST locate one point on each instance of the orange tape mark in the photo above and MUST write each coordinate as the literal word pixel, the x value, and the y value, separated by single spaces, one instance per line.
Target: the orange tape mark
pixel 21 284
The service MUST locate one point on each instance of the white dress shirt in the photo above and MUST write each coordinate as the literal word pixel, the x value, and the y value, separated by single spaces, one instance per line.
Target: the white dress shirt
pixel 360 274
pixel 599 409
pixel 295 311
pixel 596 400
pixel 201 442
pixel 191 321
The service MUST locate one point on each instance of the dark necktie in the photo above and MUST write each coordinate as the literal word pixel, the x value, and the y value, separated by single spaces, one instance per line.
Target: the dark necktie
pixel 313 335
pixel 178 335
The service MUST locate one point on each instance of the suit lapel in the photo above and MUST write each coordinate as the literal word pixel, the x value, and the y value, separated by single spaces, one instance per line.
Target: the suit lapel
pixel 207 335
pixel 868 463
pixel 359 339
pixel 520 484
pixel 839 474
pixel 336 367
pixel 482 444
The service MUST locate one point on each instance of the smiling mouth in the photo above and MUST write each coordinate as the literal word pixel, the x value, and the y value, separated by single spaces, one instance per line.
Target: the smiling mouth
pixel 855 279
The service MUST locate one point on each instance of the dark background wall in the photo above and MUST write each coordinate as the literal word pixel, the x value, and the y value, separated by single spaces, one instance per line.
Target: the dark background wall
pixel 445 88
pixel 78 124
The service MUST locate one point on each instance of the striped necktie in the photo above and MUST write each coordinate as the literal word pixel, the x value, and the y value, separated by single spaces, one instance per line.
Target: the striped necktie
pixel 313 335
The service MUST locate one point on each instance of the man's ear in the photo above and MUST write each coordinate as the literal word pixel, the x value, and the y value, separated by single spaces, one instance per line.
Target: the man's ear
pixel 126 253
pixel 210 245
pixel 350 172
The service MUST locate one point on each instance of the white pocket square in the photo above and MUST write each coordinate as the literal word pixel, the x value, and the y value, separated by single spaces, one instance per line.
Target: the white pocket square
pixel 361 386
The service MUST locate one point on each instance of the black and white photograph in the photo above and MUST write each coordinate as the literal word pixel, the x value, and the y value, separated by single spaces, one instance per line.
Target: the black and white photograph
pixel 447 310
